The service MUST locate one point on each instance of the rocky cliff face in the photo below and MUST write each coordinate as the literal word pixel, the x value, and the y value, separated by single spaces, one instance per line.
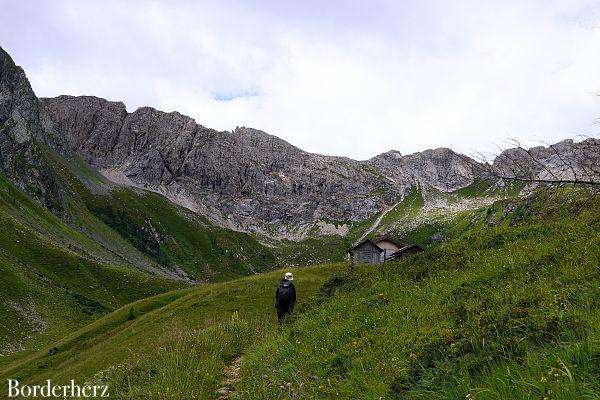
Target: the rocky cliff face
pixel 442 168
pixel 24 129
pixel 566 160
pixel 246 179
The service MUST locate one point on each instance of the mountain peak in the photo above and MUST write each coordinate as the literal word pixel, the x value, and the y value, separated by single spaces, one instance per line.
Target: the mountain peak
pixel 23 126
pixel 391 154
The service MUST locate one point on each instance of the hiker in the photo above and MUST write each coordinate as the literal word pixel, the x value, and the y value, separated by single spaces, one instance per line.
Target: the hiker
pixel 285 297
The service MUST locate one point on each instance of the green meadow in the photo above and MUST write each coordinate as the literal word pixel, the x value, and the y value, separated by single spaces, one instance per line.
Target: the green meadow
pixel 506 308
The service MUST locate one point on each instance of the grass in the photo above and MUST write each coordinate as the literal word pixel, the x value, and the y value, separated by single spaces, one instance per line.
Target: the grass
pixel 478 188
pixel 176 238
pixel 507 309
pixel 409 207
pixel 109 246
pixel 50 280
pixel 59 274
pixel 177 343
pixel 481 187
pixel 322 249
pixel 47 290
pixel 147 225
pixel 333 248
pixel 438 226
pixel 313 251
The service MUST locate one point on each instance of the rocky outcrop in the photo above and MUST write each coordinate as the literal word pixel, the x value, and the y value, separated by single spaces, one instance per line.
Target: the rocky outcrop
pixel 246 179
pixel 24 129
pixel 440 168
pixel 566 160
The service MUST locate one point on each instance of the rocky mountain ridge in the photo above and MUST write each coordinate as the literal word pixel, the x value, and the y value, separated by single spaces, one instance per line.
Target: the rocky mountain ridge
pixel 246 180
pixel 24 129
pixel 51 198
pixel 566 160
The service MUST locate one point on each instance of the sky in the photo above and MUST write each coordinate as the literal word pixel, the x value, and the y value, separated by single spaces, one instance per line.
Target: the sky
pixel 337 77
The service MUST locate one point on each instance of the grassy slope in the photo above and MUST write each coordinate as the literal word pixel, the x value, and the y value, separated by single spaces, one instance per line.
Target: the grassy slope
pixel 58 276
pixel 145 342
pixel 408 222
pixel 508 309
pixel 398 224
pixel 175 238
pixel 47 285
pixel 167 235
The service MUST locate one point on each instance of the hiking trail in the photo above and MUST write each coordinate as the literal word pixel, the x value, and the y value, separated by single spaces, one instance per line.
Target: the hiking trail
pixel 377 222
pixel 232 374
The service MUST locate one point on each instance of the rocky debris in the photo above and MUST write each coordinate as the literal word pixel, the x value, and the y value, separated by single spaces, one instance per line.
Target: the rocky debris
pixel 329 229
pixel 29 314
pixel 439 207
pixel 376 223
pixel 437 237
pixel 232 371
pixel 232 374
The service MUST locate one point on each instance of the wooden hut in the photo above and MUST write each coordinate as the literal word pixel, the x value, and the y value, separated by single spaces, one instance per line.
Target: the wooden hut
pixel 380 250
pixel 366 252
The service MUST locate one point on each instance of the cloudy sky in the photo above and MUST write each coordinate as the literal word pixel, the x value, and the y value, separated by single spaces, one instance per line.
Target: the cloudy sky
pixel 352 78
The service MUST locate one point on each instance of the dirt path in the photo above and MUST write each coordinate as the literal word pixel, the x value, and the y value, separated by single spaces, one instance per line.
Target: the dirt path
pixel 377 222
pixel 232 374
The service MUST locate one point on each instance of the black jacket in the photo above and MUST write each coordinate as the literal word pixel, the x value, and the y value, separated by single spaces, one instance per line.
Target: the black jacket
pixel 285 296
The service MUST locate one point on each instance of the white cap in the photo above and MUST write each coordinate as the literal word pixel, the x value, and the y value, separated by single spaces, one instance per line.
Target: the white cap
pixel 289 276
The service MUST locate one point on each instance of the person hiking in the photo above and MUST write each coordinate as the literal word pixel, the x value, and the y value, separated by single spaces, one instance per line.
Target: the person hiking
pixel 285 297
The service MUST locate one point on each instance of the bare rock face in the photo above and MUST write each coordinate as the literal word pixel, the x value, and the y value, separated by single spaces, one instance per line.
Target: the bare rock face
pixel 24 129
pixel 566 160
pixel 440 168
pixel 101 118
pixel 246 179
pixel 250 181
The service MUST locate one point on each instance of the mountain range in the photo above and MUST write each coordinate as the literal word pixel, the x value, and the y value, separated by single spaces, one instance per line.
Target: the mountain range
pixel 140 250
pixel 100 207
pixel 245 180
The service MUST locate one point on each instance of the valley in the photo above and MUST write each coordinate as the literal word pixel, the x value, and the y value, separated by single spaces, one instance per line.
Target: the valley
pixel 424 327
pixel 141 250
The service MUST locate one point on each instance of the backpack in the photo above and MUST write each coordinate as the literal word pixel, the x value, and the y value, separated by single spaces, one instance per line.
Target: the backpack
pixel 285 294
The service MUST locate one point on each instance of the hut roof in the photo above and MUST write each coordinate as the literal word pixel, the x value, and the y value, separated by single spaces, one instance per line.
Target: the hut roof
pixel 387 238
pixel 399 253
pixel 364 242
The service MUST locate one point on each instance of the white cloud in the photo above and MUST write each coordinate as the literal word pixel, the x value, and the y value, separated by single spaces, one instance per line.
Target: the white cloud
pixel 336 78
